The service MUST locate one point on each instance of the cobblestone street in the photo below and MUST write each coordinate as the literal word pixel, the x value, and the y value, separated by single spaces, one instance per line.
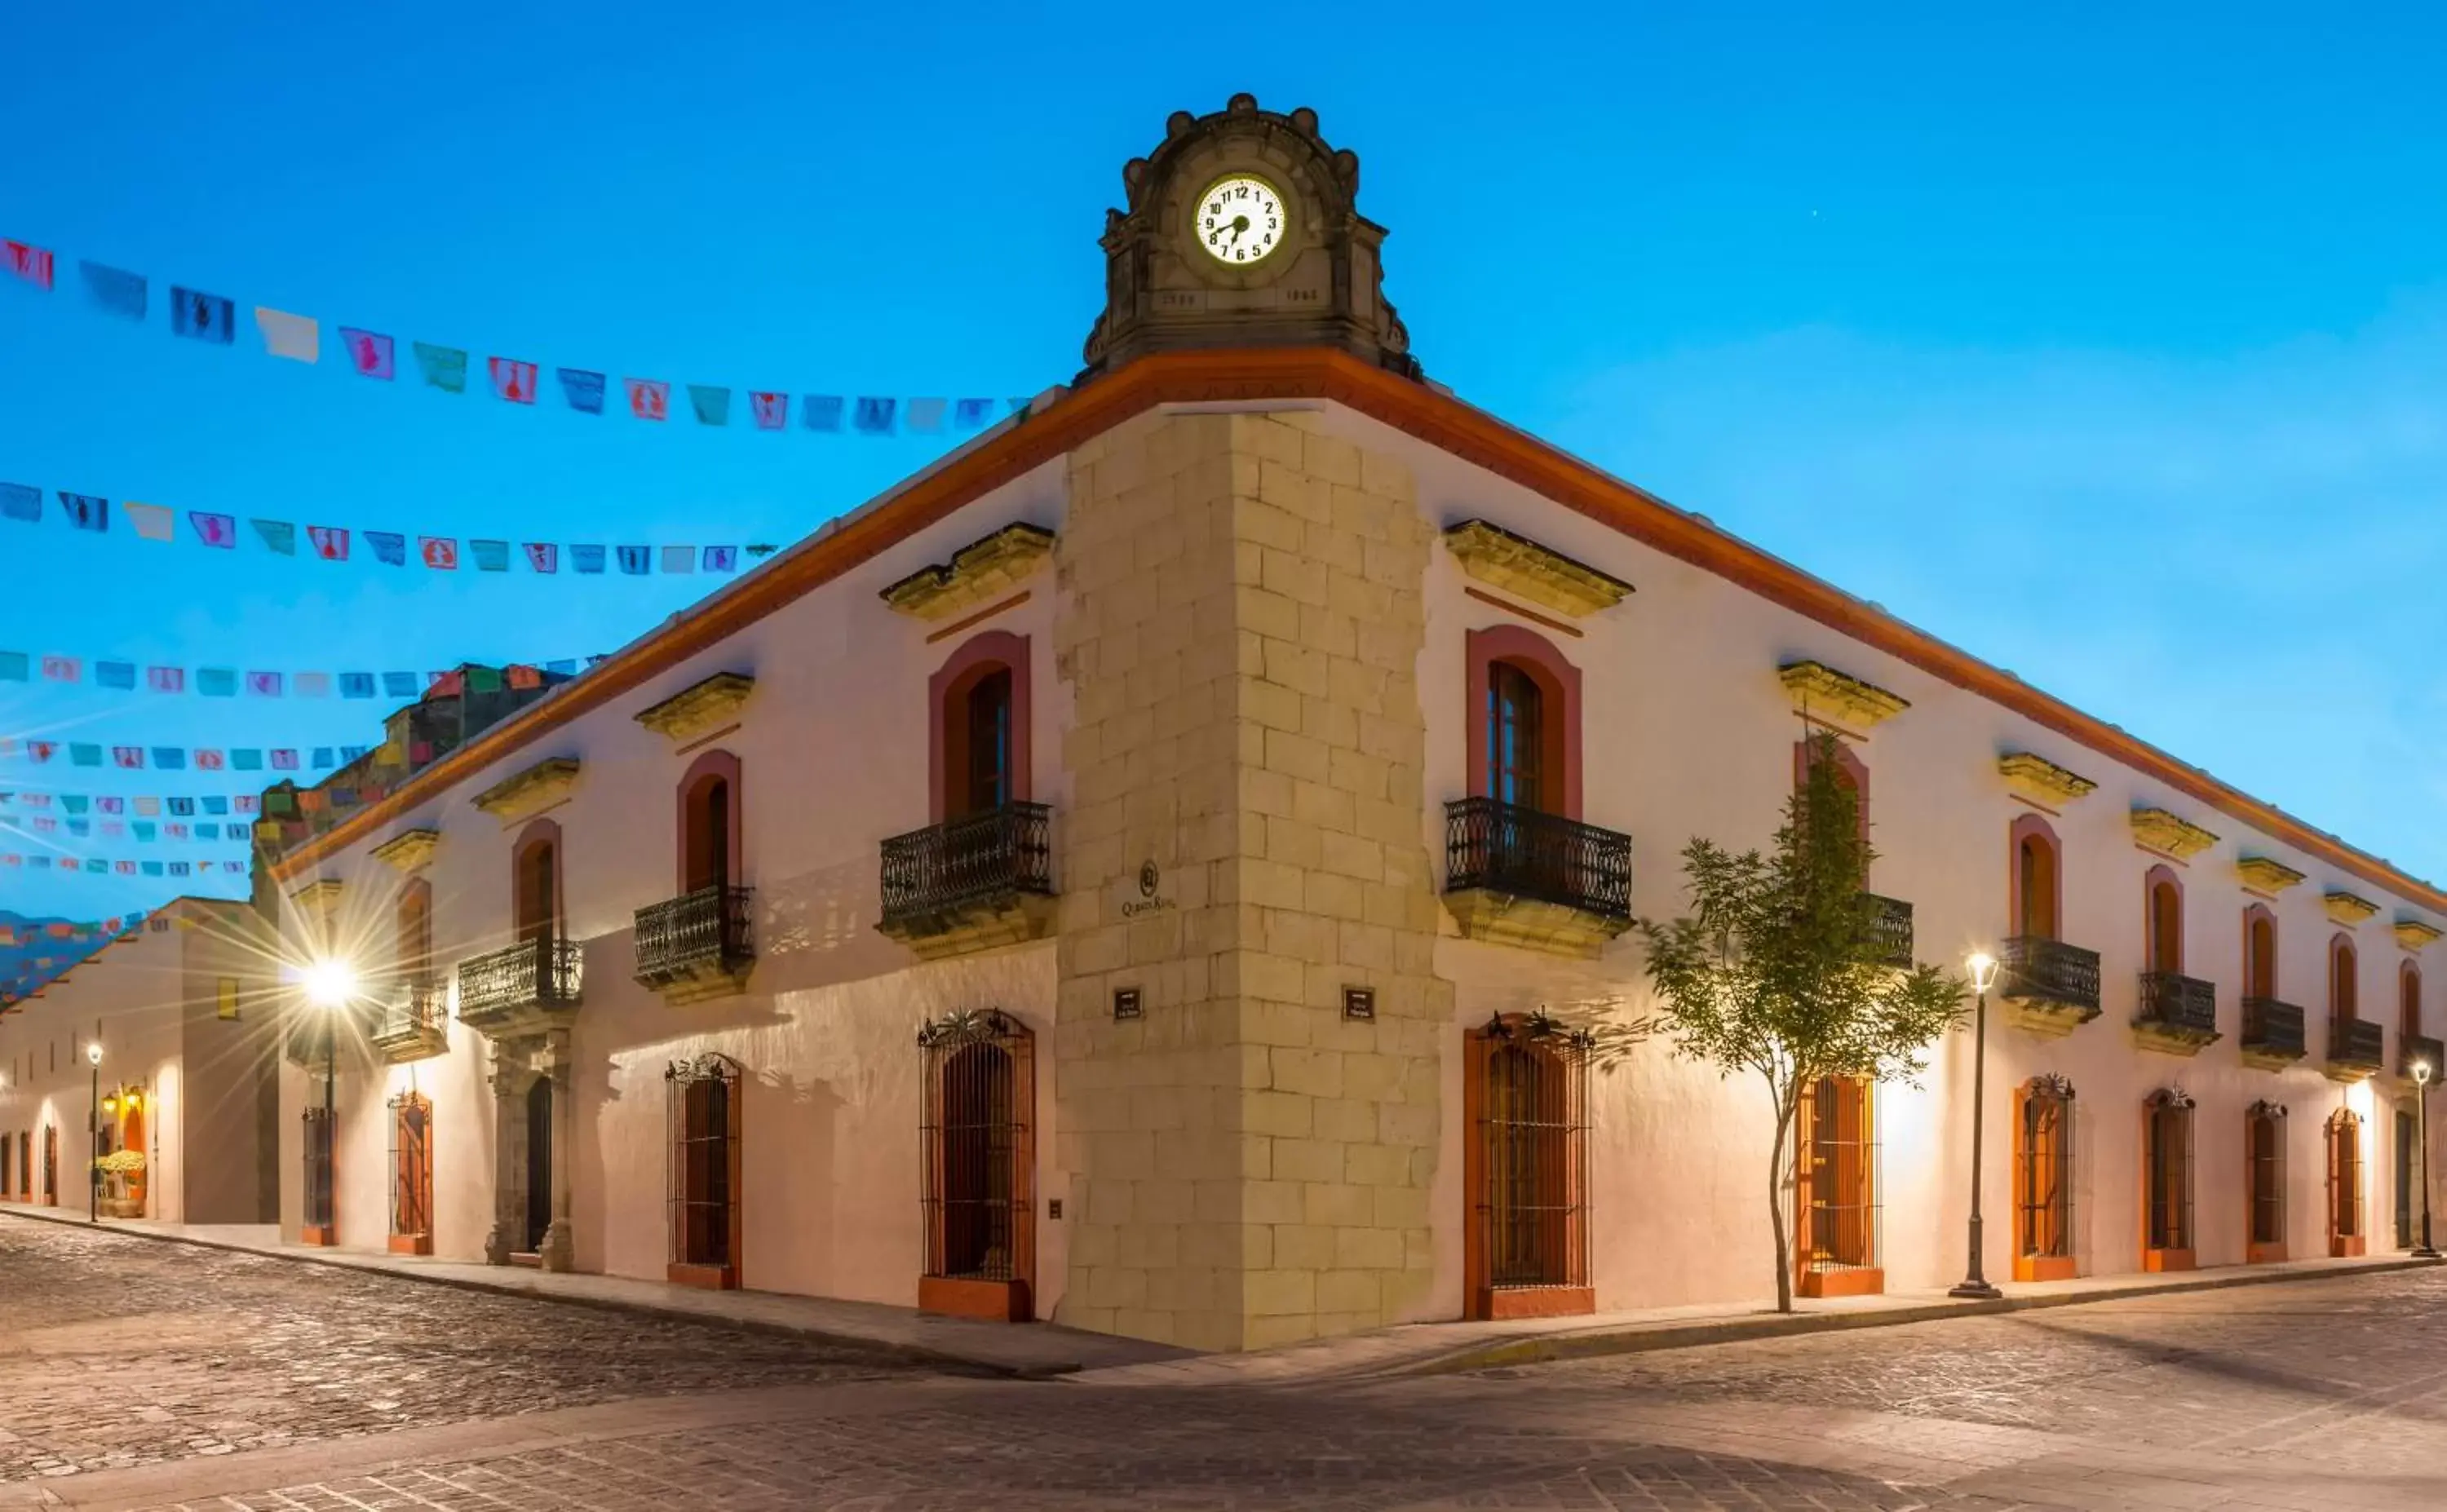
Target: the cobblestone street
pixel 142 1374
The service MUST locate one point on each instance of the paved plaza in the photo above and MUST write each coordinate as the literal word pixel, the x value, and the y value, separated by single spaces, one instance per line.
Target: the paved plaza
pixel 136 1373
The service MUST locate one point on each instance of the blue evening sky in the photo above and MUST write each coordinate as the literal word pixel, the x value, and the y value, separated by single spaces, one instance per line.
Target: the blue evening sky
pixel 2110 345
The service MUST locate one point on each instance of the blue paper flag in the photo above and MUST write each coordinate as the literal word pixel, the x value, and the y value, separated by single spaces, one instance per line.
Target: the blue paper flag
pixel 114 288
pixel 323 757
pixel 566 665
pixel 586 558
pixel 151 869
pixel 21 501
pixel 389 547
pixel 246 759
pixel 583 389
pixel 208 832
pixel 874 417
pixel 821 411
pixel 280 534
pixel 170 758
pixel 356 685
pixel 721 558
pixel 216 804
pixel 178 868
pixel 86 511
pixel 217 682
pixel 491 556
pixel 349 753
pixel 15 666
pixel 970 413
pixel 636 560
pixel 84 753
pixel 203 317
pixel 712 405
pixel 399 685
pixel 115 674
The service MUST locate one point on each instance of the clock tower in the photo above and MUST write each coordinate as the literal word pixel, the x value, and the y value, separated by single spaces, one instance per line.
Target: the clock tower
pixel 1243 230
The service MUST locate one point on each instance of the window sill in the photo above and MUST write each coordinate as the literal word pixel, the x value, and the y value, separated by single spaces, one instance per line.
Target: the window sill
pixel 709 1277
pixel 1867 1280
pixel 989 1301
pixel 2044 1268
pixel 322 1236
pixel 2344 1245
pixel 1499 1302
pixel 411 1244
pixel 2168 1260
pixel 2262 1254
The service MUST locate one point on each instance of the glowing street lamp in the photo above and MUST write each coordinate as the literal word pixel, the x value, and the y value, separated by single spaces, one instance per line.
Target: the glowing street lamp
pixel 1982 968
pixel 330 985
pixel 2422 1074
pixel 93 1136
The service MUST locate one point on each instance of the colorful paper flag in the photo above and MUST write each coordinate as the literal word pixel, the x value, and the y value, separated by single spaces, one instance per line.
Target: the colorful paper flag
pixel 513 380
pixel 217 682
pixel 263 685
pixel 721 558
pixel 21 501
pixel 490 555
pixel 311 685
pixel 63 670
pixel 441 553
pixel 214 530
pixel 151 522
pixel 399 685
pixel 166 679
pixel 15 665
pixel 280 534
pixel 356 685
pixel 636 560
pixel 202 316
pixel 821 412
pixel 130 757
pixel 391 547
pixel 583 389
pixel 445 368
pixel 874 417
pixel 114 290
pixel 772 411
pixel 586 558
pixel 86 511
pixel 283 759
pixel 32 263
pixel 543 556
pixel 295 338
pixel 679 559
pixel 170 758
pixel 712 405
pixel 246 759
pixel 369 352
pixel 115 674
pixel 210 760
pixel 649 398
pixel 329 542
pixel 971 413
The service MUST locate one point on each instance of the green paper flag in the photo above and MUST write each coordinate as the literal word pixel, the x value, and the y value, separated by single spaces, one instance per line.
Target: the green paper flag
pixel 445 368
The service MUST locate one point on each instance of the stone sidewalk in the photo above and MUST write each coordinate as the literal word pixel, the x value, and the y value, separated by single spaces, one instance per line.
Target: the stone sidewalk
pixel 1045 1351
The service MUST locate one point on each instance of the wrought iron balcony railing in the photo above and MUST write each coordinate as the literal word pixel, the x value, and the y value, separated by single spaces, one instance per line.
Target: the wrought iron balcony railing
pixel 1894 928
pixel 417 1009
pixel 2272 1029
pixel 2184 1004
pixel 533 975
pixel 699 932
pixel 2420 1049
pixel 2048 971
pixel 1523 852
pixel 944 868
pixel 2356 1042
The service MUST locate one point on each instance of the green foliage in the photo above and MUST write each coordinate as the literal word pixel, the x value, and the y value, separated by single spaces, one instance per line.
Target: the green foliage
pixel 1780 968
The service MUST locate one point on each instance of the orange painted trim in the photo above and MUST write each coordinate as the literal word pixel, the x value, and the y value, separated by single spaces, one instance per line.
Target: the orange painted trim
pixel 2045 1268
pixel 2167 1260
pixel 705 1277
pixel 322 1236
pixel 411 1244
pixel 2262 1254
pixel 1867 1280
pixel 1438 420
pixel 989 1301
pixel 1511 608
pixel 1496 1302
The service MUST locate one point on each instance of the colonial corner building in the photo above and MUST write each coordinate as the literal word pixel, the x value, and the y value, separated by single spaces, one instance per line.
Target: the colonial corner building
pixel 1150 871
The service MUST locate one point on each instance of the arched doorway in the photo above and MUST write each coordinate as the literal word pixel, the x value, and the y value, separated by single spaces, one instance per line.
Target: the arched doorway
pixel 2346 1236
pixel 412 1175
pixel 1835 1180
pixel 2167 1145
pixel 1525 1094
pixel 2043 1126
pixel 2264 1154
pixel 979 1163
pixel 702 1099
pixel 537 1214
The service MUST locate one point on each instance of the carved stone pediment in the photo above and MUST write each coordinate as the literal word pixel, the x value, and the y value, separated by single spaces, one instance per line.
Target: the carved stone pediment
pixel 2262 875
pixel 976 573
pixel 409 849
pixel 2347 908
pixel 2413 934
pixel 2040 779
pixel 1820 692
pixel 1519 565
pixel 2162 831
pixel 530 791
pixel 1291 264
pixel 700 707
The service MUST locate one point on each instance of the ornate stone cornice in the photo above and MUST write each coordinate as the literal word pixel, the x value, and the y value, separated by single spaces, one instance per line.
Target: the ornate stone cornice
pixel 2413 934
pixel 975 572
pixel 409 849
pixel 699 708
pixel 1821 690
pixel 317 897
pixel 2040 779
pixel 2347 908
pixel 2264 874
pixel 1519 565
pixel 530 791
pixel 2162 831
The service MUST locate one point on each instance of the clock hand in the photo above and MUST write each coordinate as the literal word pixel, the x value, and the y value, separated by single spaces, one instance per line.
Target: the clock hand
pixel 1240 224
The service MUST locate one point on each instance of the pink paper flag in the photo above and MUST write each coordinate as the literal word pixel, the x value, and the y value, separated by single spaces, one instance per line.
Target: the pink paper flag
pixel 772 411
pixel 215 530
pixel 283 759
pixel 32 263
pixel 514 380
pixel 441 553
pixel 131 757
pixel 62 670
pixel 649 398
pixel 543 556
pixel 166 679
pixel 330 543
pixel 369 353
pixel 209 760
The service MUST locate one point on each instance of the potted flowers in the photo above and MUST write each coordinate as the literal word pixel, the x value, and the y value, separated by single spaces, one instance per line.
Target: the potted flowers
pixel 119 1165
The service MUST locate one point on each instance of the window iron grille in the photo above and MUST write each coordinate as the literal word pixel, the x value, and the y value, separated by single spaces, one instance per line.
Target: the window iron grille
pixel 709 928
pixel 2169 1158
pixel 2043 1172
pixel 318 1168
pixel 1524 852
pixel 978 1160
pixel 1836 1187
pixel 973 859
pixel 2264 1145
pixel 2356 1042
pixel 412 1167
pixel 1529 1202
pixel 703 1098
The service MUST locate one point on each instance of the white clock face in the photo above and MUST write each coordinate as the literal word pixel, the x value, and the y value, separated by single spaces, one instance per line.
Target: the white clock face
pixel 1240 219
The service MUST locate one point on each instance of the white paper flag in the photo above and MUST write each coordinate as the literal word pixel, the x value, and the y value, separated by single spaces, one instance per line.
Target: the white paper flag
pixel 680 559
pixel 296 337
pixel 150 522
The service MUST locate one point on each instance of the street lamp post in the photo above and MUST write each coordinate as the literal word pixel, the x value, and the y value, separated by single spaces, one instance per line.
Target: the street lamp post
pixel 2421 1110
pixel 331 984
pixel 1983 973
pixel 93 1136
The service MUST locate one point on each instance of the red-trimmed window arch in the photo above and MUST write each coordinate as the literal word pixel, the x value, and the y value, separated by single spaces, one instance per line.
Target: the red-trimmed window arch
pixel 709 822
pixel 2162 895
pixel 415 922
pixel 535 881
pixel 1851 774
pixel 2259 951
pixel 2038 880
pixel 978 710
pixel 2344 970
pixel 2408 1002
pixel 1523 721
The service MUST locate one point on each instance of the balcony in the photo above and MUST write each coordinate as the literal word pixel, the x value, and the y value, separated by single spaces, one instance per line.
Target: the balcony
pixel 2356 1049
pixel 2421 1048
pixel 1892 928
pixel 2049 988
pixel 971 884
pixel 415 1022
pixel 1514 875
pixel 697 946
pixel 528 988
pixel 2178 1013
pixel 2272 1033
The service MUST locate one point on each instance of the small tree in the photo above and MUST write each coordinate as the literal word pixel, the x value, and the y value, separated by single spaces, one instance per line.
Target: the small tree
pixel 1780 971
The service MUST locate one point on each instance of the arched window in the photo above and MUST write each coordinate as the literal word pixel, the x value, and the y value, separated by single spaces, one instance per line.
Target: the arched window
pixel 710 823
pixel 1836 1179
pixel 412 1175
pixel 978 1161
pixel 2259 951
pixel 534 879
pixel 979 715
pixel 2039 894
pixel 1851 774
pixel 2164 898
pixel 1525 1103
pixel 2264 1136
pixel 414 945
pixel 2345 1235
pixel 1523 721
pixel 704 1111
pixel 2345 998
pixel 52 1164
pixel 2167 1141
pixel 2044 1180
pixel 2408 1006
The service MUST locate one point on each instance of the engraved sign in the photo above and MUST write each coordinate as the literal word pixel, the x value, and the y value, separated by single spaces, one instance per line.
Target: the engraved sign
pixel 1149 898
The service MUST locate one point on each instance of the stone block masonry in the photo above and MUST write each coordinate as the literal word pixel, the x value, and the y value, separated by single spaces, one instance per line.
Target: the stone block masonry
pixel 1239 618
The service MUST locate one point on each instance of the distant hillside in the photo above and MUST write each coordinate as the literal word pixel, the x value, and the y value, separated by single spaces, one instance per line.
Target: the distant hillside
pixel 33 951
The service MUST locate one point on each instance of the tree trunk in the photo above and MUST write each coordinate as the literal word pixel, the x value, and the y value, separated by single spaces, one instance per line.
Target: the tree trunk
pixel 1780 1179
